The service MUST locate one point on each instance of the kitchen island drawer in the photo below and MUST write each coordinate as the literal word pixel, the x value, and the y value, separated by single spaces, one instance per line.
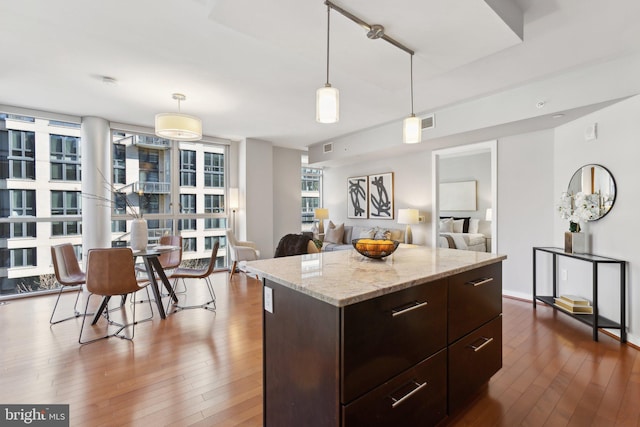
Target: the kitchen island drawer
pixel 417 397
pixel 386 335
pixel 472 361
pixel 475 297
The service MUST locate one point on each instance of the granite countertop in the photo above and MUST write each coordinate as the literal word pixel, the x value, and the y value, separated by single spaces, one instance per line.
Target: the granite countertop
pixel 345 277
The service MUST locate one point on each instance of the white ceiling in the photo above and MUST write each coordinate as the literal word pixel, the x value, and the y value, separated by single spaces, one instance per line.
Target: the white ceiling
pixel 250 68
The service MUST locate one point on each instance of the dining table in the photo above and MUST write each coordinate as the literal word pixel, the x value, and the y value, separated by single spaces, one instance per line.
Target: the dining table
pixel 150 258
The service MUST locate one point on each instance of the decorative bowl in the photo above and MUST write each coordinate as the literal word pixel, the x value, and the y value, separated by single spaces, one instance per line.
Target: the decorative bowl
pixel 375 248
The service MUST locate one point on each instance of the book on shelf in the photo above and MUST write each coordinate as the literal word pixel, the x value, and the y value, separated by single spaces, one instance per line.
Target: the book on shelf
pixel 574 308
pixel 575 300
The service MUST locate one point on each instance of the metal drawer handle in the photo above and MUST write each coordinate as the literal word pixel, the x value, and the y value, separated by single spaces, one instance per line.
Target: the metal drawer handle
pixel 480 282
pixel 485 343
pixel 414 305
pixel 396 402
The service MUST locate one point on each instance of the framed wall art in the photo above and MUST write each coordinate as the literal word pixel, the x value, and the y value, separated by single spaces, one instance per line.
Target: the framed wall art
pixel 357 197
pixel 458 196
pixel 381 196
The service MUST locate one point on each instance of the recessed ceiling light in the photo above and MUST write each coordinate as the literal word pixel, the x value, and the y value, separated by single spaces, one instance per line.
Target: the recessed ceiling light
pixel 557 116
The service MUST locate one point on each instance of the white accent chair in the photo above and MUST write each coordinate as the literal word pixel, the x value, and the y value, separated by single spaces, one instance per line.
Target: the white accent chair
pixel 240 251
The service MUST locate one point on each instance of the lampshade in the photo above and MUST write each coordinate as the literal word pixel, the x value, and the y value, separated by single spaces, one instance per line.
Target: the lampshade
pixel 489 214
pixel 412 130
pixel 327 104
pixel 234 199
pixel 178 126
pixel 407 216
pixel 321 213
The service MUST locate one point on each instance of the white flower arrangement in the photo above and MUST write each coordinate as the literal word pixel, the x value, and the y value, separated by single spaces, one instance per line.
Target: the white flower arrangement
pixel 578 208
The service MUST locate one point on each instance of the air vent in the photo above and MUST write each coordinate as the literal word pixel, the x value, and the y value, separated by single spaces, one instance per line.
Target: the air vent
pixel 429 122
pixel 327 148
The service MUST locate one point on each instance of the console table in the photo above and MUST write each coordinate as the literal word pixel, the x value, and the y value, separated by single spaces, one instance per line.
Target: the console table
pixel 594 320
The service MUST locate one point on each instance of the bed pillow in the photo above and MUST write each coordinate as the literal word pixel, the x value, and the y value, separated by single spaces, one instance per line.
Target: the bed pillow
pixel 458 225
pixel 473 225
pixel 465 227
pixel 446 225
pixel 334 233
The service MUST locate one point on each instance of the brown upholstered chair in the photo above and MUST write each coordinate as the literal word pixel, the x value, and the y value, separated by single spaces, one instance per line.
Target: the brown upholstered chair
pixel 171 259
pixel 198 273
pixel 111 272
pixel 168 260
pixel 68 274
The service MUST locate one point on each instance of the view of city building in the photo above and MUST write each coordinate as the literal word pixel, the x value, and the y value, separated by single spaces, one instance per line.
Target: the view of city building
pixel 178 187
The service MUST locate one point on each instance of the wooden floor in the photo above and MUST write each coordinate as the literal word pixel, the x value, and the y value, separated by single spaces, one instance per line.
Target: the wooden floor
pixel 204 368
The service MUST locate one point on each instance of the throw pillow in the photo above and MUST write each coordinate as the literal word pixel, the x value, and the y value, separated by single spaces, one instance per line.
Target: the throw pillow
pixel 446 225
pixel 318 243
pixel 458 225
pixel 382 233
pixel 334 234
pixel 367 234
pixel 473 225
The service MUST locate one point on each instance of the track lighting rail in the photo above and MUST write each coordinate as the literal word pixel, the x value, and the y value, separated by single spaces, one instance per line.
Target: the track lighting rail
pixel 376 31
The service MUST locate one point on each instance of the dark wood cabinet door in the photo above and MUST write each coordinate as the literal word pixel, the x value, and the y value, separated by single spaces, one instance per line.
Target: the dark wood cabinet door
pixel 475 297
pixel 387 335
pixel 472 361
pixel 417 397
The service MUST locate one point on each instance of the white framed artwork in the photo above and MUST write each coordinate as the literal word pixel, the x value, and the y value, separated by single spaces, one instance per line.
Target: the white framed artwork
pixel 381 196
pixel 357 197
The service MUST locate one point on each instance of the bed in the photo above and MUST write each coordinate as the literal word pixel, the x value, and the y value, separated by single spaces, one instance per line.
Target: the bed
pixel 463 234
pixel 463 241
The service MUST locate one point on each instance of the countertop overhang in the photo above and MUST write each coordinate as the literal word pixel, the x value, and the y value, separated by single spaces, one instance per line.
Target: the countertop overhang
pixel 343 278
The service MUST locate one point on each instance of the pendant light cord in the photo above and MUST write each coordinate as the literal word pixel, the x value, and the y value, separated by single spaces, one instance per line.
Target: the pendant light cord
pixel 411 56
pixel 328 29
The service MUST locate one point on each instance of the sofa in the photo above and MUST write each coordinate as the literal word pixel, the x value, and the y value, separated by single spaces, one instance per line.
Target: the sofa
pixel 334 240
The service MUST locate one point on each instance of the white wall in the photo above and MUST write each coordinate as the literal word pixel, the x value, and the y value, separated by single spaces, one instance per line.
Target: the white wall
pixel 472 167
pixel 286 192
pixel 615 235
pixel 525 206
pixel 255 215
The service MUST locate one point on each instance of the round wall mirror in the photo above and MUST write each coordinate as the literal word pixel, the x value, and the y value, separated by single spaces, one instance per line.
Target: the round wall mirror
pixel 598 185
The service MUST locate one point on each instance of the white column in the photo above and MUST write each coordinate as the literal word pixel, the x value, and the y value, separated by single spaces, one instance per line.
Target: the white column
pixel 96 162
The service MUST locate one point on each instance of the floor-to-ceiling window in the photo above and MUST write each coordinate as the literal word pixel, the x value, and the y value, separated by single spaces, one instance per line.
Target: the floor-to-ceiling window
pixel 178 186
pixel 41 196
pixel 311 194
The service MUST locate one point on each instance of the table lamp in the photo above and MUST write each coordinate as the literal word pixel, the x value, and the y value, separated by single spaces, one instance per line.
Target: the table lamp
pixel 408 216
pixel 321 214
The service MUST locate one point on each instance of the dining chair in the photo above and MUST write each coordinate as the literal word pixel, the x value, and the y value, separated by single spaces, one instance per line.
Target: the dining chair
pixel 198 273
pixel 68 274
pixel 240 251
pixel 111 272
pixel 168 260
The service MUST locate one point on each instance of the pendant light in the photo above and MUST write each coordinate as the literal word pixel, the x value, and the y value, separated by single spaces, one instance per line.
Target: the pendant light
pixel 327 97
pixel 178 126
pixel 412 125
